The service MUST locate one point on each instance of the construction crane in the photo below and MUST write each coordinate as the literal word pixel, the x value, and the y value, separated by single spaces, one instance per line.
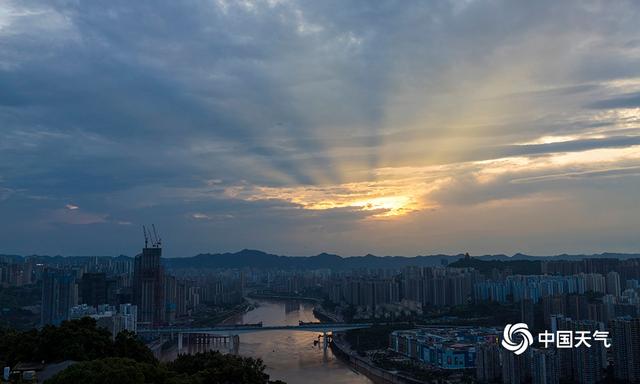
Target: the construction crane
pixel 146 238
pixel 158 240
pixel 151 235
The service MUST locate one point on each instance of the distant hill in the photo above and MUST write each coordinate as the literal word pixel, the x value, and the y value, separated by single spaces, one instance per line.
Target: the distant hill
pixel 259 259
pixel 517 266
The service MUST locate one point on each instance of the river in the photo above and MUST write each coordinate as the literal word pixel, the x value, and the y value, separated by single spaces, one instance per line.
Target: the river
pixel 290 356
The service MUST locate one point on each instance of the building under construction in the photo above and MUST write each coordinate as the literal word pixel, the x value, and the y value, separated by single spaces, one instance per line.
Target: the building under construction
pixel 148 281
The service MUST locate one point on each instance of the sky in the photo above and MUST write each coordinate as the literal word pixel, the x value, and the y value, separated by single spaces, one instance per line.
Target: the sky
pixel 300 127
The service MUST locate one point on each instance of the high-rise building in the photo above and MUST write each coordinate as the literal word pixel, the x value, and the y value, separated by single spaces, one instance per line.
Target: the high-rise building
pixel 588 363
pixel 625 345
pixel 148 286
pixel 577 307
pixel 446 286
pixel 613 283
pixel 170 295
pixel 58 291
pixel 516 369
pixel 580 364
pixel 545 367
pixel 565 355
pixel 181 298
pixel 129 314
pixel 93 289
pixel 553 305
pixel 488 363
pixel 527 313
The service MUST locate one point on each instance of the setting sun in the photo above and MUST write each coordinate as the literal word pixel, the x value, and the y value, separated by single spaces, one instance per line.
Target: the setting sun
pixel 390 205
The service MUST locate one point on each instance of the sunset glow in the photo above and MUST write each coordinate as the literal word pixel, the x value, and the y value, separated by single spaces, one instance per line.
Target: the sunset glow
pixel 289 127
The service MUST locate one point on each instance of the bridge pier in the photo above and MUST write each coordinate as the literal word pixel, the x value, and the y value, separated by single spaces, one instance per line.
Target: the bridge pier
pixel 234 344
pixel 203 341
pixel 325 356
pixel 324 340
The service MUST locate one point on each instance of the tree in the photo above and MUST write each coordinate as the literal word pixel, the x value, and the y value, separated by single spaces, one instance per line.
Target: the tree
pixel 123 361
pixel 215 368
pixel 18 346
pixel 112 370
pixel 127 345
pixel 74 340
pixel 77 340
pixel 201 368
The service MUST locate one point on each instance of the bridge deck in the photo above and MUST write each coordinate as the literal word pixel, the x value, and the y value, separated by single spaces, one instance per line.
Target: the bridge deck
pixel 320 327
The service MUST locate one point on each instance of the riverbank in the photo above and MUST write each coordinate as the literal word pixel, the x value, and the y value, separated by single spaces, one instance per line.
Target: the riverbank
pixel 324 316
pixel 343 351
pixel 211 315
pixel 268 296
pixel 242 309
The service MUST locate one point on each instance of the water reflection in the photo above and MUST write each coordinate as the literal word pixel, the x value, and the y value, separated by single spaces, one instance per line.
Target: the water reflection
pixel 289 356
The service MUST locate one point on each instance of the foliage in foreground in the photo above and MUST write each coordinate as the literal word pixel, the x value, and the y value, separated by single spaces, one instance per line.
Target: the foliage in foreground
pixel 214 367
pixel 125 360
pixel 112 370
pixel 201 368
pixel 77 340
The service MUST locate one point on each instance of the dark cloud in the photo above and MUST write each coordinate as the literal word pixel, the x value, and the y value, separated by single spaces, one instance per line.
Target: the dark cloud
pixel 614 172
pixel 129 110
pixel 566 146
pixel 630 100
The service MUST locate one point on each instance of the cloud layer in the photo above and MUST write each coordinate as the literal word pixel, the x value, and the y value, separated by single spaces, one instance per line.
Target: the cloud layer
pixel 302 126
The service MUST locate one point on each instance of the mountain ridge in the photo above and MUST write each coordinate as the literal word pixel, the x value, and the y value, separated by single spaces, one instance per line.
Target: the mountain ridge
pixel 260 259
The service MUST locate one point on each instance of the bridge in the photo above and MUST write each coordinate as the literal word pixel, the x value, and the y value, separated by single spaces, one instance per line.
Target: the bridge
pixel 250 328
pixel 229 335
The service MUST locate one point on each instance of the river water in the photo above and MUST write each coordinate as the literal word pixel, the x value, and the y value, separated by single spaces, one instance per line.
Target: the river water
pixel 290 356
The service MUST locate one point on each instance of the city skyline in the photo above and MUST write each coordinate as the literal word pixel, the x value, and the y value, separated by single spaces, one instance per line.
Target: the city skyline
pixel 300 127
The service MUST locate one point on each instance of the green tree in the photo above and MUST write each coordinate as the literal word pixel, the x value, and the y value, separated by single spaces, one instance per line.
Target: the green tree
pixel 123 361
pixel 215 368
pixel 127 345
pixel 18 346
pixel 112 370
pixel 201 368
pixel 78 340
pixel 74 340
